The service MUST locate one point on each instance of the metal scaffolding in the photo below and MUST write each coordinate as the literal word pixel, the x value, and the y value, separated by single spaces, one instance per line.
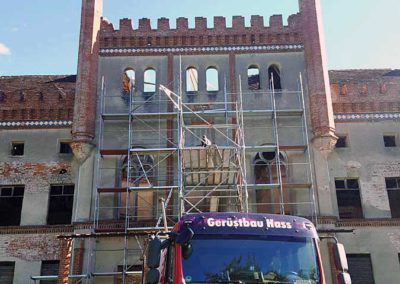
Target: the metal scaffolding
pixel 151 146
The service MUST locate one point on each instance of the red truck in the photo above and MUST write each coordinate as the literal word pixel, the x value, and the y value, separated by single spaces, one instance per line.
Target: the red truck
pixel 238 248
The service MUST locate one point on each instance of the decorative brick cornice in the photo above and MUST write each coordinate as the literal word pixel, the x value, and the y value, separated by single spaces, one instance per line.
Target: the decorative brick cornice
pixel 339 117
pixel 381 222
pixel 201 35
pixel 40 229
pixel 10 124
pixel 201 49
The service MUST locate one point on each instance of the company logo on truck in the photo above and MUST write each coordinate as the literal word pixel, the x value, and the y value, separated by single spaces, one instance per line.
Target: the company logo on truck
pixel 248 223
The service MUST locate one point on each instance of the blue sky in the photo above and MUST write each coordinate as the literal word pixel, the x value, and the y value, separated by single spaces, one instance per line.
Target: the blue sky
pixel 41 36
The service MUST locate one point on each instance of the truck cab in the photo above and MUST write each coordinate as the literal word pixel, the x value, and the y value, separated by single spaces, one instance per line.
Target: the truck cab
pixel 237 248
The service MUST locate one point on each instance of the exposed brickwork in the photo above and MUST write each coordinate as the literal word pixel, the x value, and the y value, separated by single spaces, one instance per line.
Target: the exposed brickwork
pixel 316 67
pixel 86 84
pixel 65 254
pixel 37 97
pixel 30 247
pixel 36 177
pixel 365 91
pixel 201 35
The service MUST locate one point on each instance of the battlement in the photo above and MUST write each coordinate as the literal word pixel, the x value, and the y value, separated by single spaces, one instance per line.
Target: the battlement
pixel 220 34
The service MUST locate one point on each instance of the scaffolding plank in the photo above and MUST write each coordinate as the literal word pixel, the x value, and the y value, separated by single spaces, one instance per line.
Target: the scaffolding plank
pixel 113 152
pixel 152 151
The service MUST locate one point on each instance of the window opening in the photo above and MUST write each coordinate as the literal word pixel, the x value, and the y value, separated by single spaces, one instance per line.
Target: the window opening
pixel 274 76
pixel 253 78
pixel 360 268
pixel 393 190
pixel 7 272
pixel 49 268
pixel 65 148
pixel 60 204
pixel 17 148
pixel 192 80
pixel 212 80
pixel 266 172
pixel 128 80
pixel 149 81
pixel 348 198
pixel 140 204
pixel 341 142
pixel 11 198
pixel 389 140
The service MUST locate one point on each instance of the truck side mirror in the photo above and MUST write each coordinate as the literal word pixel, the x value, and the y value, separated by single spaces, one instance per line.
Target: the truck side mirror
pixel 341 264
pixel 154 253
pixel 185 236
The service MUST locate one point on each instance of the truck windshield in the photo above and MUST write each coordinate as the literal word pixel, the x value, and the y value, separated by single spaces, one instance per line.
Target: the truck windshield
pixel 258 260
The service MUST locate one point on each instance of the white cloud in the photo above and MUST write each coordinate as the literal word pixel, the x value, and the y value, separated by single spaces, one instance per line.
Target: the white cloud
pixel 4 50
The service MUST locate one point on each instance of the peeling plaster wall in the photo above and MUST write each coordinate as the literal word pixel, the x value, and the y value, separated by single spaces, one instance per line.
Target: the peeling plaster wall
pixel 367 159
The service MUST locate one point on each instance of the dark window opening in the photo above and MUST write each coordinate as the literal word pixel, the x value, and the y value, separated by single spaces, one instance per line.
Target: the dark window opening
pixel 253 78
pixel 360 268
pixel 128 81
pixel 389 140
pixel 341 142
pixel 65 148
pixel 7 272
pixel 393 190
pixel 348 198
pixel 11 198
pixel 17 148
pixel 49 268
pixel 60 204
pixel 274 76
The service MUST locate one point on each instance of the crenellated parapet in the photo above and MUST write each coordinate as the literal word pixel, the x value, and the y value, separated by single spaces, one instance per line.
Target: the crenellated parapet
pixel 144 35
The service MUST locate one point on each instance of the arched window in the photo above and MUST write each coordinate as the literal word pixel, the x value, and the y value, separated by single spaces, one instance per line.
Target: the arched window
pixel 128 81
pixel 149 85
pixel 253 78
pixel 212 80
pixel 274 76
pixel 192 80
pixel 139 204
pixel 266 171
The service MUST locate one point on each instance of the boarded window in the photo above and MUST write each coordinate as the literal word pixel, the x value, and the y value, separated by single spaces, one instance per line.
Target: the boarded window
pixel 149 81
pixel 60 204
pixel 192 80
pixel 49 268
pixel 7 272
pixel 11 198
pixel 348 198
pixel 274 76
pixel 253 78
pixel 393 190
pixel 17 148
pixel 212 80
pixel 389 140
pixel 360 268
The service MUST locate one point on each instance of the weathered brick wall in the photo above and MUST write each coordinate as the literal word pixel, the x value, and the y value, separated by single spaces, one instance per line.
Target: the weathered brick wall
pixel 35 176
pixel 29 247
pixel 358 91
pixel 37 97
